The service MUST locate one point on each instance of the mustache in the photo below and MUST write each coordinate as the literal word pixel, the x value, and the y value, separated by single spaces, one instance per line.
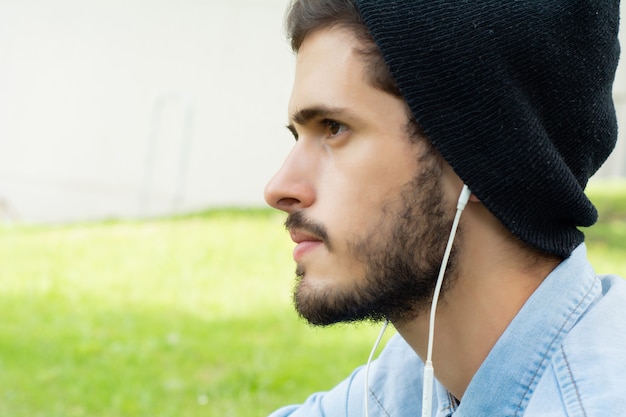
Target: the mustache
pixel 297 220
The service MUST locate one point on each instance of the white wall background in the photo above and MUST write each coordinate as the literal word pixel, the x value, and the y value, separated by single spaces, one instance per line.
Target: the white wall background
pixel 79 82
pixel 78 85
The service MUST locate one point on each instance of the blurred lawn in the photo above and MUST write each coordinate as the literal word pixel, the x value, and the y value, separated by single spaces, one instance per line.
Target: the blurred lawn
pixel 606 240
pixel 180 317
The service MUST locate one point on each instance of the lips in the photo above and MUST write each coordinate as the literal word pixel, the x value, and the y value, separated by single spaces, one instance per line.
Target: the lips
pixel 305 243
pixel 299 236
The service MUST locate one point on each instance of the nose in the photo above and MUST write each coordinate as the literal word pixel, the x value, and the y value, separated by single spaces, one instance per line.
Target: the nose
pixel 291 188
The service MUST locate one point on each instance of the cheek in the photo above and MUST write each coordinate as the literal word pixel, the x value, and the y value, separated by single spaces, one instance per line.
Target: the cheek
pixel 358 182
pixel 372 185
pixel 359 201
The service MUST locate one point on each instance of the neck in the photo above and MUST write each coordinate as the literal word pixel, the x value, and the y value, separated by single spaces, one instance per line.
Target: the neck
pixel 494 278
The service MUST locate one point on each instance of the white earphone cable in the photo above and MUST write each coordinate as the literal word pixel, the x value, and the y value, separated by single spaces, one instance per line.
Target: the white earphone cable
pixel 369 362
pixel 427 394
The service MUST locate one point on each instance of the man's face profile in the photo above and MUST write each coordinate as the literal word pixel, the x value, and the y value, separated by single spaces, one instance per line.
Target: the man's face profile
pixel 365 203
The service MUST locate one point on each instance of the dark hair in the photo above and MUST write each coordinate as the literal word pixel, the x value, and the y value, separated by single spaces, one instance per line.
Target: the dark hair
pixel 307 16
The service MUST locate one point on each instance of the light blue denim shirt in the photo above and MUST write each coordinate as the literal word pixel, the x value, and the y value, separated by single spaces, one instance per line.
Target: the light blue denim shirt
pixel 564 354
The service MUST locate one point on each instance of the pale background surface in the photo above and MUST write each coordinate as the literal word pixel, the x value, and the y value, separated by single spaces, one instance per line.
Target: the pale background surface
pixel 112 108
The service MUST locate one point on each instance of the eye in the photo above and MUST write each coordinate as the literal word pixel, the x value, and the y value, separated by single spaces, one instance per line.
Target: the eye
pixel 334 127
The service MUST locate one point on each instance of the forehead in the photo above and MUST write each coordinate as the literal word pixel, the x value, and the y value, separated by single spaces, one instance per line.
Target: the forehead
pixel 329 70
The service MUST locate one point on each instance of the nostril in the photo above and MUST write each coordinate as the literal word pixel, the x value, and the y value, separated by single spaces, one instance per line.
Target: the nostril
pixel 287 202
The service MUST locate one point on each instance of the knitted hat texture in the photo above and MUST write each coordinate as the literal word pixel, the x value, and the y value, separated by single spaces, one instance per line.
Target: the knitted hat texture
pixel 517 97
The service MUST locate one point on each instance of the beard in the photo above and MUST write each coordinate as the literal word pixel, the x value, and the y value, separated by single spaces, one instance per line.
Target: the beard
pixel 401 256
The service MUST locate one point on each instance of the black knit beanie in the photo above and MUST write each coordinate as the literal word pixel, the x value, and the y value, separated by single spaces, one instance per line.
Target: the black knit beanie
pixel 517 97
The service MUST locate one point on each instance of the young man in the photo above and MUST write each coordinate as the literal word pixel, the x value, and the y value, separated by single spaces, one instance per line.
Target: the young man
pixel 397 105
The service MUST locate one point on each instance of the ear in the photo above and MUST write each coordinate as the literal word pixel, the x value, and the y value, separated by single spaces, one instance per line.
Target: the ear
pixel 474 199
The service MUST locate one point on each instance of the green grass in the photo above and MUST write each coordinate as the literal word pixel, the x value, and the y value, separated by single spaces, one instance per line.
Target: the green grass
pixel 183 317
pixel 606 240
pixel 189 316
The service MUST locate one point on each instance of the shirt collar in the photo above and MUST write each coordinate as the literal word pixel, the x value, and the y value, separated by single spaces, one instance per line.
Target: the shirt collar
pixel 504 383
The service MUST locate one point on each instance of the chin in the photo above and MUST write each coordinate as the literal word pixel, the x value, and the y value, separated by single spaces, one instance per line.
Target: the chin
pixel 323 302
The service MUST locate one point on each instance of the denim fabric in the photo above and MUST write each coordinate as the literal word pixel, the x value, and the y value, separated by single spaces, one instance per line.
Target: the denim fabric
pixel 564 354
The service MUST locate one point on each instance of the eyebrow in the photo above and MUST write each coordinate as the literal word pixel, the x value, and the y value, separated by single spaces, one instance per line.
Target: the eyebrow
pixel 304 116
